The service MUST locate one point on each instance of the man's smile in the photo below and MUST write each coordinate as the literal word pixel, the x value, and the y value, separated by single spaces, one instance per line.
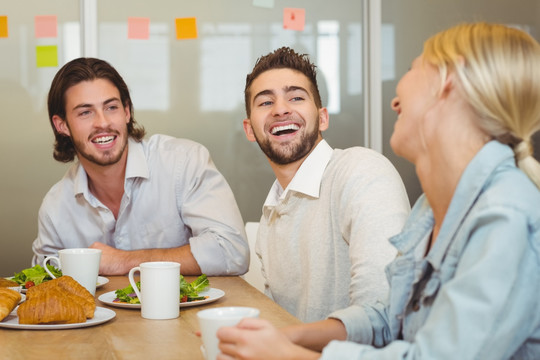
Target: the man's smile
pixel 102 140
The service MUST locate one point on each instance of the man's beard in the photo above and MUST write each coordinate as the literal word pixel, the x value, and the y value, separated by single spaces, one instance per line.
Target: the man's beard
pixel 107 158
pixel 286 153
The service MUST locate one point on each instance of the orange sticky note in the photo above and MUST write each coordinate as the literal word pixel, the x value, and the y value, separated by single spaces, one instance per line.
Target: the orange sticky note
pixel 3 27
pixel 186 28
pixel 294 19
pixel 45 26
pixel 138 28
pixel 46 56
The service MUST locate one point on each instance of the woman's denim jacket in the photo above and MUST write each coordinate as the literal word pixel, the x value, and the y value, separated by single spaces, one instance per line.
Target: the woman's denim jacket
pixel 476 295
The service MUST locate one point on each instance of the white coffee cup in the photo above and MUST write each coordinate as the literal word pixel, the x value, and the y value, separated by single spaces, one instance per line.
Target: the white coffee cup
pixel 160 289
pixel 81 264
pixel 210 320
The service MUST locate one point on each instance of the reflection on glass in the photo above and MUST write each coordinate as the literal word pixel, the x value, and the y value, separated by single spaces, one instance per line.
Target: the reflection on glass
pixel 70 32
pixel 388 61
pixel 144 64
pixel 225 61
pixel 354 59
pixel 300 41
pixel 328 62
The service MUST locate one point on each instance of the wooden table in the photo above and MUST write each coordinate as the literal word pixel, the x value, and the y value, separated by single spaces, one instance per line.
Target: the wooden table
pixel 129 336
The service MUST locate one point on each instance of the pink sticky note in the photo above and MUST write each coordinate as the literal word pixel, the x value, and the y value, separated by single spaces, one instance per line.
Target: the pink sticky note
pixel 294 19
pixel 138 28
pixel 45 26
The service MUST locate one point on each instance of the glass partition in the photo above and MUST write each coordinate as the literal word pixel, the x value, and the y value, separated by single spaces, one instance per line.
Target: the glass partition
pixel 413 21
pixel 38 33
pixel 194 88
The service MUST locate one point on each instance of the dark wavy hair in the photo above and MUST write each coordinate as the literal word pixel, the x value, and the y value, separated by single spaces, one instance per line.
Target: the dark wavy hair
pixel 283 58
pixel 72 73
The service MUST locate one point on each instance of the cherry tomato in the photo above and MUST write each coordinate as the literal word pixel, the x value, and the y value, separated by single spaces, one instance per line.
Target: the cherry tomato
pixel 29 284
pixel 183 299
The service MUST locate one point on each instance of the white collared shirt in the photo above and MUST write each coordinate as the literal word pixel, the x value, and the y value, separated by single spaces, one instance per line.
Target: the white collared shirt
pixel 307 179
pixel 173 196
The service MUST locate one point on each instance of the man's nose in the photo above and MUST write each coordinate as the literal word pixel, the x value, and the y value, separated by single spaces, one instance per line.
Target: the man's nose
pixel 281 107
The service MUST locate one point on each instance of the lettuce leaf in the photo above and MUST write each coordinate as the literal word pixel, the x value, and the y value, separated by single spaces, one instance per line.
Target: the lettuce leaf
pixel 200 283
pixel 128 295
pixel 191 290
pixel 37 274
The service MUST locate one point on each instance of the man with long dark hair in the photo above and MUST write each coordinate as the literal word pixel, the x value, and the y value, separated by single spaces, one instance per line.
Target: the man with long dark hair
pixel 137 200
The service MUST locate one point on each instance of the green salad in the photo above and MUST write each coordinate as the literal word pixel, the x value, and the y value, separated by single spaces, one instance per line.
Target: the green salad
pixel 188 291
pixel 35 275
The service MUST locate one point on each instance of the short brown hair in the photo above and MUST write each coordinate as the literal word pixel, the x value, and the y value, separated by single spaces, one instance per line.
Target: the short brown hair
pixel 283 58
pixel 72 73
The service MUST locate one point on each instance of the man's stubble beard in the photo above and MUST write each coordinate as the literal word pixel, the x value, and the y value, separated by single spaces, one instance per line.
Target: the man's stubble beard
pixel 286 153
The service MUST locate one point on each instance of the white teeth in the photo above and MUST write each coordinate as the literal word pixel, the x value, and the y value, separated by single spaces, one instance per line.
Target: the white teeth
pixel 104 139
pixel 285 127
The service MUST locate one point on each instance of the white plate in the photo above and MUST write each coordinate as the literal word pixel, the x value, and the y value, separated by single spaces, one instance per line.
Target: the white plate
pixel 101 280
pixel 212 293
pixel 101 315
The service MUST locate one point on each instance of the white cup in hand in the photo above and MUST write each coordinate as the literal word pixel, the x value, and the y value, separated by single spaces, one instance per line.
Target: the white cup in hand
pixel 81 264
pixel 210 320
pixel 160 289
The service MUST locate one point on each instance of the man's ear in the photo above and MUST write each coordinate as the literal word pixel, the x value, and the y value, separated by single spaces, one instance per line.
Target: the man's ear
pixel 61 125
pixel 128 113
pixel 323 119
pixel 249 130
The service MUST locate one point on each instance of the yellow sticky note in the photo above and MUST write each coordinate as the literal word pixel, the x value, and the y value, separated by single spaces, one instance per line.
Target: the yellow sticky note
pixel 3 27
pixel 45 26
pixel 294 19
pixel 138 28
pixel 186 28
pixel 46 56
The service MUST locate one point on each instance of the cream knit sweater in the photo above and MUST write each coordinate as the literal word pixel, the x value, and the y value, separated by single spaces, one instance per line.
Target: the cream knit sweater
pixel 322 254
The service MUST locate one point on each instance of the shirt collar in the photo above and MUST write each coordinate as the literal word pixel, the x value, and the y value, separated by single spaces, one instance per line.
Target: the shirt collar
pixel 472 181
pixel 136 166
pixel 307 179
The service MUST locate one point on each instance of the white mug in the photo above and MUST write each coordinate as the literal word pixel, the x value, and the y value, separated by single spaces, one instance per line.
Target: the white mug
pixel 160 289
pixel 210 320
pixel 81 264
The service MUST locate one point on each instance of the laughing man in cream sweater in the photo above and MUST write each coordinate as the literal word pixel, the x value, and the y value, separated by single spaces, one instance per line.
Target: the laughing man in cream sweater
pixel 323 234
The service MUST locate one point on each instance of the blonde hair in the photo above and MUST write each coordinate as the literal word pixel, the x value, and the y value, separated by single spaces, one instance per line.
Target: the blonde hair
pixel 499 70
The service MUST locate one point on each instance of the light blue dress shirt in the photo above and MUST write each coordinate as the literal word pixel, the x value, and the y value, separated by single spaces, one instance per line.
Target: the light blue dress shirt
pixel 173 196
pixel 476 295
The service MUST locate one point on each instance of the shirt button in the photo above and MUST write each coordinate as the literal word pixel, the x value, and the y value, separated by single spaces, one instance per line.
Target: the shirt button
pixel 416 305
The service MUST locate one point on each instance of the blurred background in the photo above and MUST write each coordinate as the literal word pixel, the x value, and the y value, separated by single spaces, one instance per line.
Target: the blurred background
pixel 193 88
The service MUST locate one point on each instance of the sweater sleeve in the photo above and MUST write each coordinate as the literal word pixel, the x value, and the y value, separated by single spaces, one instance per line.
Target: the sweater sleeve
pixel 376 207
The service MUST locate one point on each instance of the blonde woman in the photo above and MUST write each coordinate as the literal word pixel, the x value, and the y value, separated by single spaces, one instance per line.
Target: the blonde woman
pixel 466 281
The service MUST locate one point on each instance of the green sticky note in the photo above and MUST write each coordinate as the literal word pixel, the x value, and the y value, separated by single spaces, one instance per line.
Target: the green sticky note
pixel 46 56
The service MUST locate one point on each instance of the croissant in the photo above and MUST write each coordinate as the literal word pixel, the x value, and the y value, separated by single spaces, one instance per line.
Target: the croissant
pixel 50 307
pixel 8 283
pixel 8 300
pixel 71 288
